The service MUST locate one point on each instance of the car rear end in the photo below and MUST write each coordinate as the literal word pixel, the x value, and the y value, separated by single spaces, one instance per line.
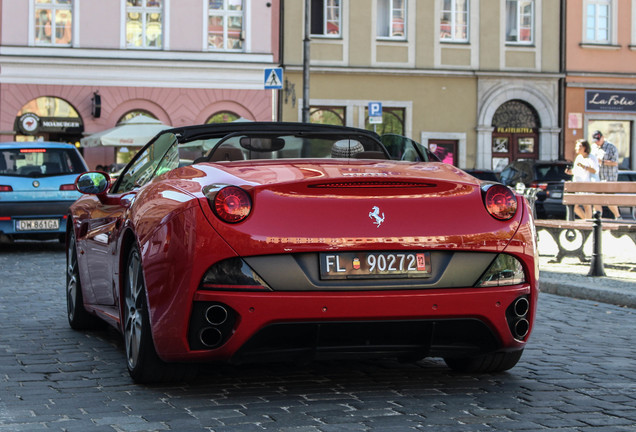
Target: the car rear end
pixel 377 258
pixel 36 188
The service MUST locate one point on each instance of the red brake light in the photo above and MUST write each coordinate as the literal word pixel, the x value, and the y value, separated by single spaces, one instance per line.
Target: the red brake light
pixel 4 188
pixel 67 187
pixel 537 185
pixel 232 204
pixel 32 150
pixel 500 201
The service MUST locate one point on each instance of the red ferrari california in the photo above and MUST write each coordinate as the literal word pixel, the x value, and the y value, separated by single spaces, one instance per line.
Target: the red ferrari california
pixel 244 242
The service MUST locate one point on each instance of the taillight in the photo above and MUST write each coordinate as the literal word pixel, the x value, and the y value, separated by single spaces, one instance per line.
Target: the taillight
pixel 500 201
pixel 67 187
pixel 537 185
pixel 4 188
pixel 232 204
pixel 233 274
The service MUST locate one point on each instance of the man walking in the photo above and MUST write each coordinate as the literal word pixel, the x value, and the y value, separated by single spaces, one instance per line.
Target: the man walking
pixel 607 156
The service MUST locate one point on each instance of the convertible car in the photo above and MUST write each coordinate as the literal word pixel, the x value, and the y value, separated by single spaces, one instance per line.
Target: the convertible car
pixel 288 242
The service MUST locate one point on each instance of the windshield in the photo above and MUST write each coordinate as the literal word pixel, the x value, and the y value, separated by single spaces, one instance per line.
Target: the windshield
pixel 40 162
pixel 242 146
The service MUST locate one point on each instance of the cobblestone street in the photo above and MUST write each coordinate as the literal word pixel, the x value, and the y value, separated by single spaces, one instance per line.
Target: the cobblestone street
pixel 577 374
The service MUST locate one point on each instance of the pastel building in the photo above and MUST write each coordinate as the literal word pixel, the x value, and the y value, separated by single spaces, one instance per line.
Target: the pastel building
pixel 69 68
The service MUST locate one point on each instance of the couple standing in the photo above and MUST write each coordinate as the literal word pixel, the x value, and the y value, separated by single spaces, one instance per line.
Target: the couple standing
pixel 600 164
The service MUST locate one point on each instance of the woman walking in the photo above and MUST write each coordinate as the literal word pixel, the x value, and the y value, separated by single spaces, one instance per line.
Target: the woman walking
pixel 585 169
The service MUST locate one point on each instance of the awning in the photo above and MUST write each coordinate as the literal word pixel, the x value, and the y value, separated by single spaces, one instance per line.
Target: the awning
pixel 135 132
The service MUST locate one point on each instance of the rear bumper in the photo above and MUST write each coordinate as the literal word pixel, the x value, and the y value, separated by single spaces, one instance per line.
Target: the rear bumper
pixel 445 323
pixel 11 212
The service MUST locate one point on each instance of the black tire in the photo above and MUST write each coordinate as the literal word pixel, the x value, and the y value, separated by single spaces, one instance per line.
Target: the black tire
pixel 487 363
pixel 144 365
pixel 78 316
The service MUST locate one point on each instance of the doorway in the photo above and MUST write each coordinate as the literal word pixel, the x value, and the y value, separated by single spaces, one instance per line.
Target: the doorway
pixel 515 135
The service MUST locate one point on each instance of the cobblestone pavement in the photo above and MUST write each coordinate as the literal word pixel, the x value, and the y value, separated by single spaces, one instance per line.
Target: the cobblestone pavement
pixel 577 374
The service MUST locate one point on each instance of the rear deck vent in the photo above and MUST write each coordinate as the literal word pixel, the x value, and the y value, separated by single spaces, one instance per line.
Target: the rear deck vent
pixel 372 184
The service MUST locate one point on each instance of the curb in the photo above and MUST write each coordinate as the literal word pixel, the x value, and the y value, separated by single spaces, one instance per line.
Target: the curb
pixel 555 283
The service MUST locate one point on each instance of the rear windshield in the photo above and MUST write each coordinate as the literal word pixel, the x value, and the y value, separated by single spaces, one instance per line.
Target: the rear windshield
pixel 552 173
pixel 40 162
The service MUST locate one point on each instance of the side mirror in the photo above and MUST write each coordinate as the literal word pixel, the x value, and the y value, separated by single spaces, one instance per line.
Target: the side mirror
pixel 93 183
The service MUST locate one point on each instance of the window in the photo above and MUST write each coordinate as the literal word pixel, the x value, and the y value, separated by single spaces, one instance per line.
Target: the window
pixel 223 117
pixel 132 114
pixel 454 21
pixel 161 154
pixel 597 22
pixel 53 22
pixel 225 25
pixel 392 19
pixel 392 121
pixel 144 24
pixel 519 21
pixel 332 115
pixel 325 18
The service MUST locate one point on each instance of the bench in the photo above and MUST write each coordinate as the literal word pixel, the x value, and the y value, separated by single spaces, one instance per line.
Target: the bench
pixel 571 235
pixel 621 194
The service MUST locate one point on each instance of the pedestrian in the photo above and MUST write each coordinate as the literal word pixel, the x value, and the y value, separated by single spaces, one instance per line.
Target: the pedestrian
pixel 585 169
pixel 607 156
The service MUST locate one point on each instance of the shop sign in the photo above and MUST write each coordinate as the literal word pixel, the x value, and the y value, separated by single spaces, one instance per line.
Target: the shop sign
pixel 31 124
pixel 610 101
pixel 514 130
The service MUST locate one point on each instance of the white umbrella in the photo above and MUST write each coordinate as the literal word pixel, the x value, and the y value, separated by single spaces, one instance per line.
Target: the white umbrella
pixel 134 132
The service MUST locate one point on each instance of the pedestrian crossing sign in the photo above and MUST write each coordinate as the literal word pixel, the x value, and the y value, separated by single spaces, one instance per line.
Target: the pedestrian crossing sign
pixel 274 78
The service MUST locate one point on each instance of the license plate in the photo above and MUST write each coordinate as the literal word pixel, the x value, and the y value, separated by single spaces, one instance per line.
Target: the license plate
pixel 556 194
pixel 37 224
pixel 369 265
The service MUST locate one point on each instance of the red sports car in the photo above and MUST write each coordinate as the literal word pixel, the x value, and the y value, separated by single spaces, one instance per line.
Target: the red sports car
pixel 246 242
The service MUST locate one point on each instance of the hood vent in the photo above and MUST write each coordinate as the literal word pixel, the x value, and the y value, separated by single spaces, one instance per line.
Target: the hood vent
pixel 370 184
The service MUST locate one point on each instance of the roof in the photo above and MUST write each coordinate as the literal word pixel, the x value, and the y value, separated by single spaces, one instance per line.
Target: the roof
pixel 35 144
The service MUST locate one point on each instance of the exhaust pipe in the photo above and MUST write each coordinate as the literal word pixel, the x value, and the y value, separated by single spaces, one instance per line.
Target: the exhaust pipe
pixel 210 337
pixel 216 315
pixel 522 327
pixel 521 307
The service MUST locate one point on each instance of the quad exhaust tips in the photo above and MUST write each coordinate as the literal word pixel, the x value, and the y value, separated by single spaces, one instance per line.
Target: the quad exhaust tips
pixel 516 315
pixel 211 325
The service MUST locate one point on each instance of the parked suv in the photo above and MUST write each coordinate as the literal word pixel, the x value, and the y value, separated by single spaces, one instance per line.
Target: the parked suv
pixel 547 177
pixel 37 186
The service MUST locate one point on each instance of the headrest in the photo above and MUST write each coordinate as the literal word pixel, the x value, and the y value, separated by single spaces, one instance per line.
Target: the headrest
pixel 346 148
pixel 227 153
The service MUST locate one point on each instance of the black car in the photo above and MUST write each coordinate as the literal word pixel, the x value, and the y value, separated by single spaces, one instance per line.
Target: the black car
pixel 487 175
pixel 547 177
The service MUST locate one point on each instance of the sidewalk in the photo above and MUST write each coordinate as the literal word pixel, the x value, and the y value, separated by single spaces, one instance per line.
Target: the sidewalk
pixel 569 278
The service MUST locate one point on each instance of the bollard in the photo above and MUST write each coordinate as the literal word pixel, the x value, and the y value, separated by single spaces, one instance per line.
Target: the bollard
pixel 596 266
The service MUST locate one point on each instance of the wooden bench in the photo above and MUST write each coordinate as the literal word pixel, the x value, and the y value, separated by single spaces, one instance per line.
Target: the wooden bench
pixel 571 235
pixel 621 194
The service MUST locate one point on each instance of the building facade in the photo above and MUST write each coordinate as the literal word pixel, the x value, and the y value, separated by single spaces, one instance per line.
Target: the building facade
pixel 69 68
pixel 600 83
pixel 476 81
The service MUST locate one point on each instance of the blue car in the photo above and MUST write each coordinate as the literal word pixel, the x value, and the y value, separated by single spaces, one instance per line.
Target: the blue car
pixel 37 186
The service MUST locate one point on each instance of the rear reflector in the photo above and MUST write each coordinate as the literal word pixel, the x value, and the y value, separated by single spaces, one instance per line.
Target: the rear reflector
pixel 4 188
pixel 67 187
